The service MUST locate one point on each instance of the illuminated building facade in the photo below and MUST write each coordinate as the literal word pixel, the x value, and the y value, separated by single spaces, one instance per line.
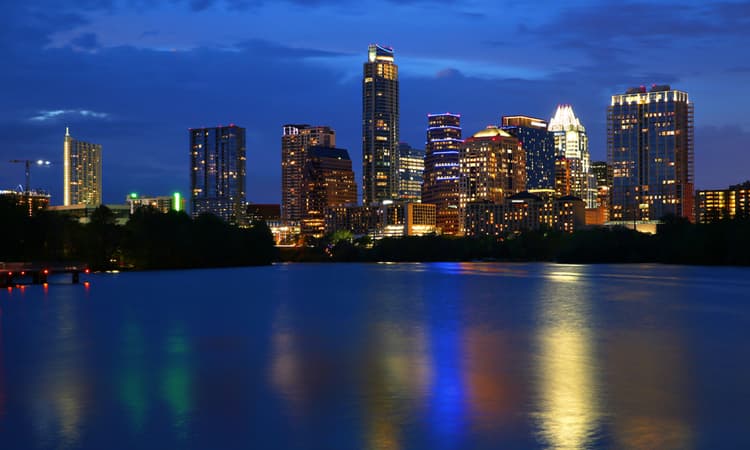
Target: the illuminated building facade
pixel 442 169
pixel 327 180
pixel 524 211
pixel 650 149
pixel 715 205
pixel 410 172
pixel 380 126
pixel 492 167
pixel 163 203
pixel 32 201
pixel 387 219
pixel 572 176
pixel 217 172
pixel 359 219
pixel 82 172
pixel 539 146
pixel 295 141
pixel 602 174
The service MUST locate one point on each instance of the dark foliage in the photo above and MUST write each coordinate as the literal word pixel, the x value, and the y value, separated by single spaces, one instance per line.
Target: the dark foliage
pixel 150 240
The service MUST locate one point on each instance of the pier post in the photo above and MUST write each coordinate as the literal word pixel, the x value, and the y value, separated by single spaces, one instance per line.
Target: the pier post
pixel 76 277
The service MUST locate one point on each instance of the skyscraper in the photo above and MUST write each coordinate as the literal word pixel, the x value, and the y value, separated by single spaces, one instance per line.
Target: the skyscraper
pixel 572 143
pixel 82 172
pixel 442 170
pixel 295 142
pixel 492 166
pixel 410 172
pixel 380 122
pixel 327 181
pixel 539 145
pixel 217 172
pixel 650 149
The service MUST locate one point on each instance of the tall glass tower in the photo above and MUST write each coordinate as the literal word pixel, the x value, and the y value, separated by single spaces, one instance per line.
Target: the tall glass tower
pixel 82 176
pixel 380 117
pixel 539 145
pixel 442 170
pixel 217 172
pixel 650 149
pixel 572 146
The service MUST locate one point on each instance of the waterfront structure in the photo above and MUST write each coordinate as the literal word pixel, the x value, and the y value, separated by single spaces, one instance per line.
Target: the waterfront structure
pixel 442 169
pixel 712 205
pixel 650 149
pixel 572 172
pixel 492 166
pixel 162 203
pixel 410 172
pixel 296 139
pixel 387 219
pixel 406 219
pixel 33 201
pixel 380 126
pixel 524 211
pixel 539 146
pixel 327 181
pixel 82 172
pixel 359 219
pixel 217 172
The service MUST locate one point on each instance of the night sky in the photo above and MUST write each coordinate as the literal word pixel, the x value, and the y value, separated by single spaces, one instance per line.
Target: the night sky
pixel 134 75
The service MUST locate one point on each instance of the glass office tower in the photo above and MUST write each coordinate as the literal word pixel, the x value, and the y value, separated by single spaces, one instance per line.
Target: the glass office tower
pixel 380 122
pixel 217 172
pixel 650 150
pixel 442 169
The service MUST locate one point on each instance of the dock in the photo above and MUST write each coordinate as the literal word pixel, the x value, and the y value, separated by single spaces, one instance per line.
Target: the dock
pixel 18 273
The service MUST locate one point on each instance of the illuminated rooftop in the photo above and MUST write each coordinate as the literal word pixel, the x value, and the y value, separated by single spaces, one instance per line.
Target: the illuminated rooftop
pixel 565 119
pixel 490 132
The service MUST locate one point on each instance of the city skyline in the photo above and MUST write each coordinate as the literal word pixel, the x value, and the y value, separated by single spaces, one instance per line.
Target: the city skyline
pixel 130 97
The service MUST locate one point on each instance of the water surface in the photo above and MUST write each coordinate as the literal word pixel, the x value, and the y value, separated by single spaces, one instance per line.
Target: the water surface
pixel 380 356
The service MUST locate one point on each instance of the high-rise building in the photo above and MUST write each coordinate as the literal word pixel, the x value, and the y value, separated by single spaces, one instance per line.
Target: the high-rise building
pixel 327 181
pixel 492 167
pixel 650 149
pixel 217 172
pixel 295 141
pixel 539 145
pixel 380 122
pixel 572 144
pixel 410 172
pixel 719 204
pixel 82 172
pixel 442 170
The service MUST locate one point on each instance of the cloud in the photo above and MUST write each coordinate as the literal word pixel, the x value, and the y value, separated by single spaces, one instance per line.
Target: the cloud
pixel 86 41
pixel 55 115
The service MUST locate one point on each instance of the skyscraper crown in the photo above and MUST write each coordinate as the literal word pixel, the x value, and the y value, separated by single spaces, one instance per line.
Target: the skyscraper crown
pixel 379 52
pixel 565 119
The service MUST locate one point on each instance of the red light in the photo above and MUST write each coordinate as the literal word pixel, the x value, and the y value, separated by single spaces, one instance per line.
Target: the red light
pixel 86 271
pixel 10 274
pixel 45 271
pixel 23 273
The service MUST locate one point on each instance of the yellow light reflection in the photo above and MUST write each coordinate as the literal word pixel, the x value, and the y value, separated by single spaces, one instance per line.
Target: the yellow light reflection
pixel 568 409
pixel 399 378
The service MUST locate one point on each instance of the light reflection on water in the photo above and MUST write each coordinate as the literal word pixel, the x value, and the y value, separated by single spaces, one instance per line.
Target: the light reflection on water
pixel 568 396
pixel 440 356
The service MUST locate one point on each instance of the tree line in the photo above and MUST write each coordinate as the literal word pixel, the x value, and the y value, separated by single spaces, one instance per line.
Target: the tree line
pixel 677 241
pixel 150 239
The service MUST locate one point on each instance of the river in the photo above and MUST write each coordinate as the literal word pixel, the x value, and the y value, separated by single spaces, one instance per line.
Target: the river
pixel 380 356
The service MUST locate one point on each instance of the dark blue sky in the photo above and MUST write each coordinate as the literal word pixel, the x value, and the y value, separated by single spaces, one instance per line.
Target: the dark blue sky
pixel 134 75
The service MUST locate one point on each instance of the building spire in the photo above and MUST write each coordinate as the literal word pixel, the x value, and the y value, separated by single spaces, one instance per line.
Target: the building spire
pixel 67 132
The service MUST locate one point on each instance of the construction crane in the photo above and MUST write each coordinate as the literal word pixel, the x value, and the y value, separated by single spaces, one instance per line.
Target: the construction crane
pixel 28 163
